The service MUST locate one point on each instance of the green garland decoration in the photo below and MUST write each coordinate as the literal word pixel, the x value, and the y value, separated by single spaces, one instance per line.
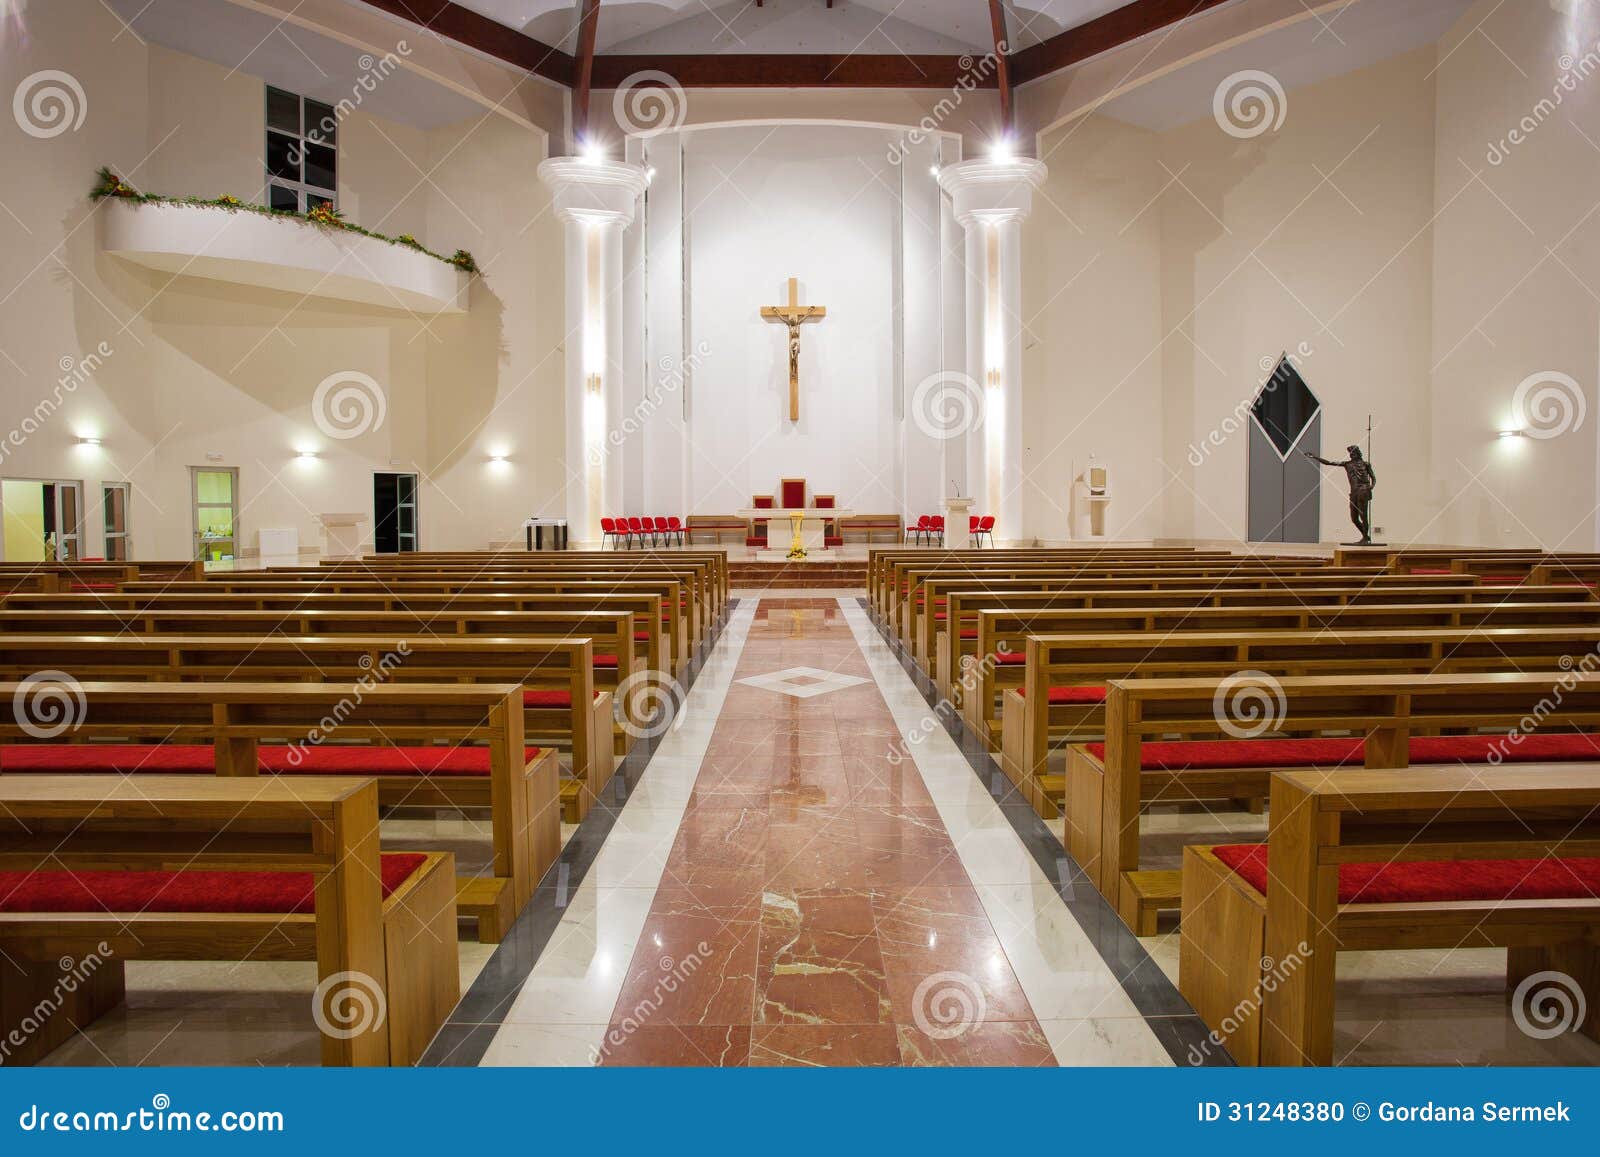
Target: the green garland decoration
pixel 108 184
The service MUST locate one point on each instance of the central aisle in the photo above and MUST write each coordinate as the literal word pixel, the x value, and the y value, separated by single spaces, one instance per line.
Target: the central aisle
pixel 785 889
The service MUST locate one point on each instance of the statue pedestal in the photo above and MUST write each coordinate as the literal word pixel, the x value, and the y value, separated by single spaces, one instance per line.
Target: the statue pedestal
pixel 957 528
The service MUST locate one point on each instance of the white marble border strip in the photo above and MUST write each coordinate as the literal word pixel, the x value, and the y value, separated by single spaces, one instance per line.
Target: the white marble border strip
pixel 560 1014
pixel 1079 1001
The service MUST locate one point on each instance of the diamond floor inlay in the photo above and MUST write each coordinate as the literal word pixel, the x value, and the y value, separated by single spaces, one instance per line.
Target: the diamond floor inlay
pixel 802 682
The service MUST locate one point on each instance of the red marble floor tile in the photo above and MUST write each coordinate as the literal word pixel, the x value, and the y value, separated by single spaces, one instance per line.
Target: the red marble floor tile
pixel 813 856
pixel 818 961
pixel 999 1043
pixel 734 905
pixel 691 970
pixel 717 1046
pixel 825 1045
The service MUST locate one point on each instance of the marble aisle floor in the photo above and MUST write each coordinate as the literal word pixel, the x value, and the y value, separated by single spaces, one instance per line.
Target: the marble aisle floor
pixel 812 898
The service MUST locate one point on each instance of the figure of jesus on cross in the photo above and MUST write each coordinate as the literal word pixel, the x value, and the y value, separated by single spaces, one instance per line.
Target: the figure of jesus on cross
pixel 794 315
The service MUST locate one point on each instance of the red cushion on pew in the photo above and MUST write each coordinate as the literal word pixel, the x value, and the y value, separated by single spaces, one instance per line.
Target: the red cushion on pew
pixel 549 698
pixel 641 636
pixel 1503 578
pixel 1430 570
pixel 1425 749
pixel 1009 658
pixel 1090 694
pixel 94 586
pixel 280 893
pixel 340 759
pixel 969 633
pixel 1439 881
pixel 605 661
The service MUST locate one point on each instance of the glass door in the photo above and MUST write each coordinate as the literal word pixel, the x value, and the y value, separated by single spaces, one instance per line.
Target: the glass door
pixel 216 512
pixel 114 505
pixel 43 520
pixel 394 513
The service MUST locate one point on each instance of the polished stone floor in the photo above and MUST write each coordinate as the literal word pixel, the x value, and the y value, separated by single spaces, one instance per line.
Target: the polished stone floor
pixel 808 870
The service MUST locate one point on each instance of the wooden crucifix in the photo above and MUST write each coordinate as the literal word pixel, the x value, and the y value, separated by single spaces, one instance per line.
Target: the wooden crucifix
pixel 794 315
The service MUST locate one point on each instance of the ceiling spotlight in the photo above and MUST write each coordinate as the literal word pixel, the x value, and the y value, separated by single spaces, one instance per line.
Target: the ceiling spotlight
pixel 934 170
pixel 1000 151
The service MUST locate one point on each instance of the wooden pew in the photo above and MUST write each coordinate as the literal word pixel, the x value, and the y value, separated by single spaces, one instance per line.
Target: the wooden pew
pixel 1238 933
pixel 1002 634
pixel 675 639
pixel 610 634
pixel 1390 720
pixel 246 691
pixel 68 576
pixel 1036 589
pixel 399 949
pixel 651 650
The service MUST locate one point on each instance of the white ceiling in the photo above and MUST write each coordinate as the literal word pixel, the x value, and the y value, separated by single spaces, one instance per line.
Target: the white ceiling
pixel 1345 40
pixel 792 26
pixel 290 57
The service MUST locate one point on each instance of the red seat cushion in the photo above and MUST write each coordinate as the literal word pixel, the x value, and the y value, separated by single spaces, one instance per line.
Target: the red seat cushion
pixel 641 636
pixel 333 759
pixel 1425 749
pixel 606 661
pixel 970 633
pixel 1430 570
pixel 1438 881
pixel 1010 658
pixel 549 698
pixel 279 893
pixel 1061 695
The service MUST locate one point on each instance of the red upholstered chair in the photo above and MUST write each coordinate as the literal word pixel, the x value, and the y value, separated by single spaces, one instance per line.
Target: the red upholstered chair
pixel 792 493
pixel 938 527
pixel 675 527
pixel 663 531
pixel 830 528
pixel 756 533
pixel 637 529
pixel 921 527
pixel 985 527
pixel 608 529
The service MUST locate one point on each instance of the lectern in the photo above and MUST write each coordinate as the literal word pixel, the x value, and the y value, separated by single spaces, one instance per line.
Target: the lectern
pixel 958 523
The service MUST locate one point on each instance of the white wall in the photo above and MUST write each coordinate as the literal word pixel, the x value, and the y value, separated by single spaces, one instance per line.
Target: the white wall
pixel 199 368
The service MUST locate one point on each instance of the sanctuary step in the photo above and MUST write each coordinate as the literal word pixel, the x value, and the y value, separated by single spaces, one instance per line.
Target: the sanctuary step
pixel 831 574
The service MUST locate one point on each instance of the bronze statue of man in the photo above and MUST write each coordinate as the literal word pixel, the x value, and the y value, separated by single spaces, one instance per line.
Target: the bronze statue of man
pixel 1363 479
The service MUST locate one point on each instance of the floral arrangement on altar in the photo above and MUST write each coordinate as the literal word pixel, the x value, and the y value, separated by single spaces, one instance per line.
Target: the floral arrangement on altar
pixel 108 184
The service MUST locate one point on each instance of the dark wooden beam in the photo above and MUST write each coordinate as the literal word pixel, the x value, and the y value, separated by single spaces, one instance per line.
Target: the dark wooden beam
pixel 997 22
pixel 490 38
pixel 1102 34
pixel 782 70
pixel 582 69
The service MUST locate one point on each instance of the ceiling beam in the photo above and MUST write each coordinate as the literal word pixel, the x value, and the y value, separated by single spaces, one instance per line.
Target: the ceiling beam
pixel 1102 34
pixel 583 68
pixel 997 23
pixel 467 27
pixel 788 70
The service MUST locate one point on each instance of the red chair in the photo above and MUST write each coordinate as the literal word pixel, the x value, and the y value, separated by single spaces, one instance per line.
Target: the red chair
pixel 756 534
pixel 830 528
pixel 985 527
pixel 662 529
pixel 609 529
pixel 637 529
pixel 675 527
pixel 923 526
pixel 938 527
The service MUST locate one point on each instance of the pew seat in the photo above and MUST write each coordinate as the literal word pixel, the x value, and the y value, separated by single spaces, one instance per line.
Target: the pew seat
pixel 1437 881
pixel 102 892
pixel 1091 693
pixel 1215 754
pixel 128 758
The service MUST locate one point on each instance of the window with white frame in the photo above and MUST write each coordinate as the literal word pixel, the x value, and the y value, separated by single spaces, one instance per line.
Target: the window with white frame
pixel 302 152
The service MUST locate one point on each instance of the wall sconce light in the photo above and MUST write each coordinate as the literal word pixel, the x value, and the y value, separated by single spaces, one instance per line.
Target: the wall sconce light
pixel 1510 433
pixel 993 379
pixel 497 457
pixel 88 440
pixel 308 454
pixel 593 384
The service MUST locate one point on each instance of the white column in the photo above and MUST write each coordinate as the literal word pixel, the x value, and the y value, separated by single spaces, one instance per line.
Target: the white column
pixel 595 200
pixel 991 198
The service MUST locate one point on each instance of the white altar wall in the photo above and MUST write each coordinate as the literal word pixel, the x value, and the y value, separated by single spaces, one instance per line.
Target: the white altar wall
pixel 732 213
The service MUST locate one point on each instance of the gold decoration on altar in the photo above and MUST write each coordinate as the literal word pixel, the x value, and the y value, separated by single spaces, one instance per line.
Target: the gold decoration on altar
pixel 797 548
